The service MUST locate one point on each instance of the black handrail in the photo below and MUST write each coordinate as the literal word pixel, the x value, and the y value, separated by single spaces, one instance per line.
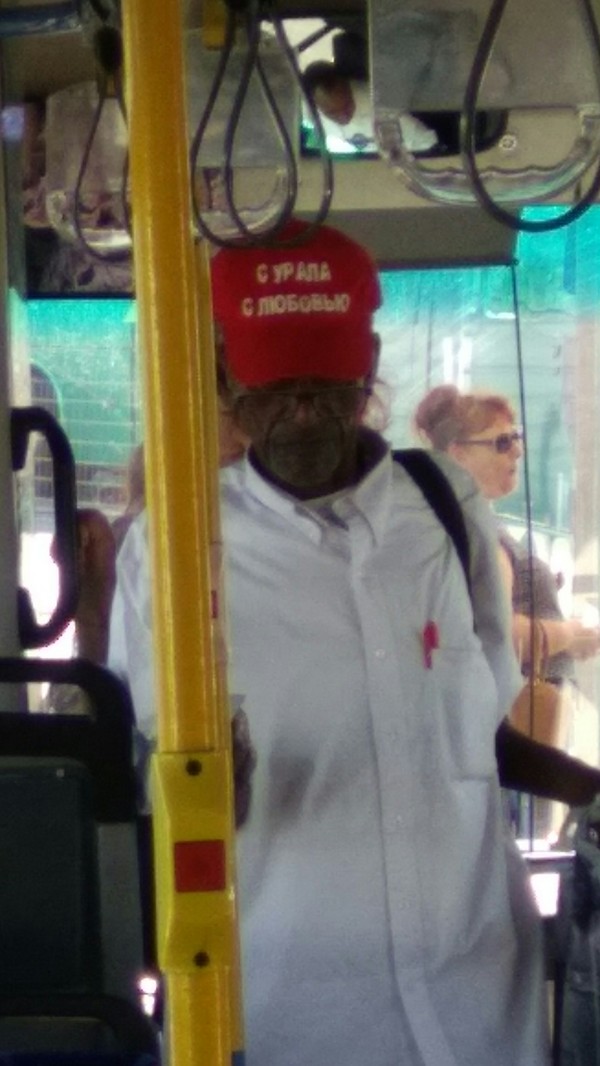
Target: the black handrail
pixel 24 422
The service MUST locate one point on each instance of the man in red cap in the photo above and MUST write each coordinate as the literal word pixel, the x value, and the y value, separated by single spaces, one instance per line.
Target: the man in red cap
pixel 300 354
pixel 386 917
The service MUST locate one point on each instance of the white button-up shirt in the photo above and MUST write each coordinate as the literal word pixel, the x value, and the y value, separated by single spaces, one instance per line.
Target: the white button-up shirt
pixel 386 915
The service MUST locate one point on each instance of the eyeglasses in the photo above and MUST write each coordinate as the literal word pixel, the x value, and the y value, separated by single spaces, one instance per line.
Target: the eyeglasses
pixel 502 443
pixel 338 401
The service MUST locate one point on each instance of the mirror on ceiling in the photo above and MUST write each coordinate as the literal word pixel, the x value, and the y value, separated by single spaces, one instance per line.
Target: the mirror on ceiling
pixel 334 60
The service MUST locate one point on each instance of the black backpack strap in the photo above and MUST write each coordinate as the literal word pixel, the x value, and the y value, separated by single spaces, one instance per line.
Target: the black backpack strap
pixel 441 497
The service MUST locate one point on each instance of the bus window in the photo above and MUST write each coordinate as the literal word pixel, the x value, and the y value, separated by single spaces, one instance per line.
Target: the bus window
pixel 462 327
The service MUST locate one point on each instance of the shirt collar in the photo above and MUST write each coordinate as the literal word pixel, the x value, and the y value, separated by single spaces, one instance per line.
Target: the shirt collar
pixel 369 498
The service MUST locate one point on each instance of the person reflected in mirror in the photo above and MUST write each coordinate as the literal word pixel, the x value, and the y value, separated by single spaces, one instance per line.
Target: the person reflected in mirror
pixel 346 110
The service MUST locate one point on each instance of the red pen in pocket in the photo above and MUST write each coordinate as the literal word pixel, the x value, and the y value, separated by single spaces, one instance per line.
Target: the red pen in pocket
pixel 431 641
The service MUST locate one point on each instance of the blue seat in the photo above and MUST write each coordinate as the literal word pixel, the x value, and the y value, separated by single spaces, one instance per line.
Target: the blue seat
pixel 70 913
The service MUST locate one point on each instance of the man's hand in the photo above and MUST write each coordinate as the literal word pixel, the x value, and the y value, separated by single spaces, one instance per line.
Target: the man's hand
pixel 244 761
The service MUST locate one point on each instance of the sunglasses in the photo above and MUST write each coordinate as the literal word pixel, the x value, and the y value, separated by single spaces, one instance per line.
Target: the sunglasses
pixel 337 401
pixel 502 443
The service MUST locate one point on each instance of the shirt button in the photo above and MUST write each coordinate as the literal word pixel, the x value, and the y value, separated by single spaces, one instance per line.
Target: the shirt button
pixel 380 653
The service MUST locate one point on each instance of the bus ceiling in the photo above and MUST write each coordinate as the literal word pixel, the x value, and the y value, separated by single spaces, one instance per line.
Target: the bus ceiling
pixel 409 207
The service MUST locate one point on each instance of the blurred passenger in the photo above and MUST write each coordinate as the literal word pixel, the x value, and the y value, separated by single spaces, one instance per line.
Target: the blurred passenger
pixel 98 543
pixel 100 540
pixel 96 564
pixel 135 500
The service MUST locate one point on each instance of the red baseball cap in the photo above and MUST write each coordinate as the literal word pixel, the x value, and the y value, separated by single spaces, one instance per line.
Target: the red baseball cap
pixel 304 310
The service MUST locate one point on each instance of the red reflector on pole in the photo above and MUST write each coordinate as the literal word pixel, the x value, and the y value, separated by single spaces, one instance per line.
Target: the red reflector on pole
pixel 199 865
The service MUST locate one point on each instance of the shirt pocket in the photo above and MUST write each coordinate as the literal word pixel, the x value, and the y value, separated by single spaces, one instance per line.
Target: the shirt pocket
pixel 464 695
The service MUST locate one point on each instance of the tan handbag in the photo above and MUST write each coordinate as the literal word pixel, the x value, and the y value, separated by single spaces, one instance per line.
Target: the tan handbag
pixel 537 709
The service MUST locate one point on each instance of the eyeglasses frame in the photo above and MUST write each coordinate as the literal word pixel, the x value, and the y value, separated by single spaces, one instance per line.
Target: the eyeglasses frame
pixel 494 442
pixel 295 399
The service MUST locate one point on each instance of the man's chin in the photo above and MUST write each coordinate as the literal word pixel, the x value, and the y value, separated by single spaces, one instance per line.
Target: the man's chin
pixel 301 473
pixel 308 482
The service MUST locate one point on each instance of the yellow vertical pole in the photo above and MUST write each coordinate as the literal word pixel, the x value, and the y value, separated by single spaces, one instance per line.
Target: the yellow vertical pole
pixel 191 788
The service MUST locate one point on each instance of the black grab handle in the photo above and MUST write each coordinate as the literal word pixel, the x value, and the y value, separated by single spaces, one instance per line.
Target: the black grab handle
pixel 24 422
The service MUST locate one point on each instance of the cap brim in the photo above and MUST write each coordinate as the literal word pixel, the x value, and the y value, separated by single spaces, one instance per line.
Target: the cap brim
pixel 260 353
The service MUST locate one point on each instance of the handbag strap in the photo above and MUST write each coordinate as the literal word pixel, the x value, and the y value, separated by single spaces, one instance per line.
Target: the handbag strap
pixel 539 649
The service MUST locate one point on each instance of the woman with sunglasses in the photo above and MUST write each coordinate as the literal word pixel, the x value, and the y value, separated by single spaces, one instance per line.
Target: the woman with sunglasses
pixel 478 431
